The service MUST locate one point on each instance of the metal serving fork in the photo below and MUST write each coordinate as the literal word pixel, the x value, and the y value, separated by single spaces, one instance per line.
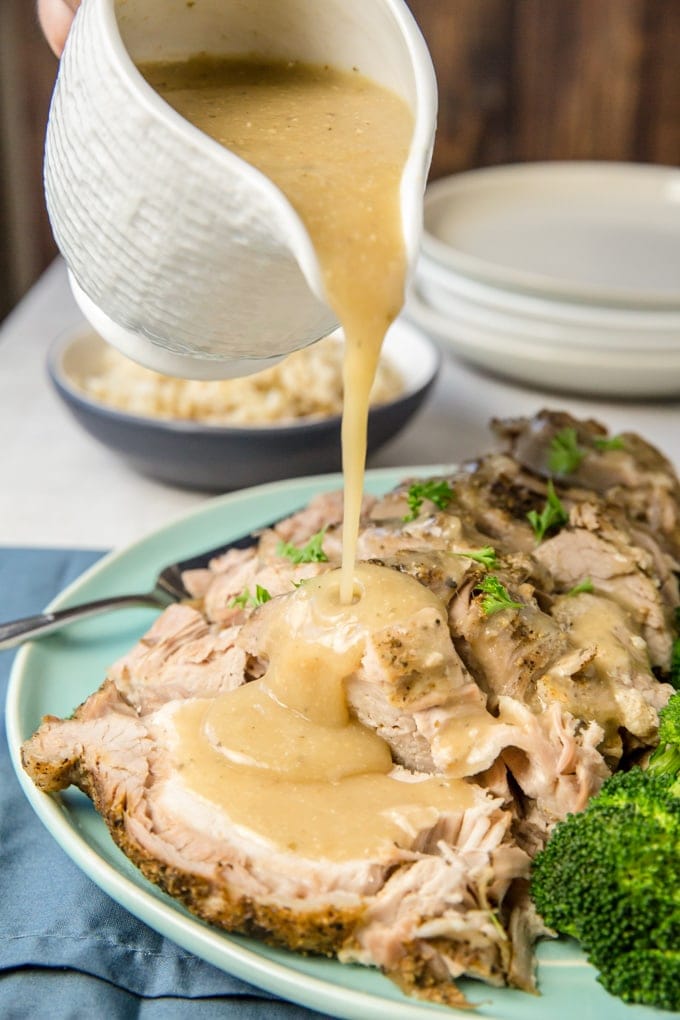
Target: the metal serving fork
pixel 168 588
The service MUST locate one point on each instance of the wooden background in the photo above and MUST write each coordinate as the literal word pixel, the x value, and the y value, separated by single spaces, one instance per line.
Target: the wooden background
pixel 518 79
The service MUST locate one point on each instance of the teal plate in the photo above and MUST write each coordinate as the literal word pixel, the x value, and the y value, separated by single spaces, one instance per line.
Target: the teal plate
pixel 54 675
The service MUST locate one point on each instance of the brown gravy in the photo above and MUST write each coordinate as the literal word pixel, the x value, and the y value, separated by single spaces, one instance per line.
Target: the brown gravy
pixel 335 143
pixel 281 755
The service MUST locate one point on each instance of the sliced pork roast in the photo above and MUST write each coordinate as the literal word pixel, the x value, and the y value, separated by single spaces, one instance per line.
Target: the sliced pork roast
pixel 447 900
pixel 537 669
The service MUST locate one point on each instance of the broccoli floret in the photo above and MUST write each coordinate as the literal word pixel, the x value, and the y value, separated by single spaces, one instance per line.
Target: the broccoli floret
pixel 650 976
pixel 666 758
pixel 675 653
pixel 608 876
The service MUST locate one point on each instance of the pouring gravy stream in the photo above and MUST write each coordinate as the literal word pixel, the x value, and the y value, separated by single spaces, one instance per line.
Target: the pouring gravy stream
pixel 278 751
pixel 335 143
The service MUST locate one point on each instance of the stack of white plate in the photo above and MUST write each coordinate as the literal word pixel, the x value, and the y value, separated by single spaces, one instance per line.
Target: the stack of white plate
pixel 562 275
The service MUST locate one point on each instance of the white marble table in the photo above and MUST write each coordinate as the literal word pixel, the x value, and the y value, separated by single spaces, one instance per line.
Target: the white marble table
pixel 58 487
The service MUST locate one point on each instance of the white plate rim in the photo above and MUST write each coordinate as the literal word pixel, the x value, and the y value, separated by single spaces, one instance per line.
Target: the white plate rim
pixel 568 336
pixel 613 374
pixel 538 349
pixel 532 307
pixel 536 284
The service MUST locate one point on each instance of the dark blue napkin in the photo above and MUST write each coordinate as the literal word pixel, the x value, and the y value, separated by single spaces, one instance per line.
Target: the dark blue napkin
pixel 67 951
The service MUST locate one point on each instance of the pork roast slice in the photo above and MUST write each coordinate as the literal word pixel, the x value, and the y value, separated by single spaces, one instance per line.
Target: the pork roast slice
pixel 409 683
pixel 595 549
pixel 181 654
pixel 444 903
pixel 616 686
pixel 630 472
pixel 507 652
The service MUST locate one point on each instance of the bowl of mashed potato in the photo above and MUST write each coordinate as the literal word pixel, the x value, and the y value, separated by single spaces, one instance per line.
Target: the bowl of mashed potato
pixel 220 435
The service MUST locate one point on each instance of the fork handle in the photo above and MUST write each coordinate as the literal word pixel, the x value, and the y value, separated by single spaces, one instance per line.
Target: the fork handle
pixel 17 631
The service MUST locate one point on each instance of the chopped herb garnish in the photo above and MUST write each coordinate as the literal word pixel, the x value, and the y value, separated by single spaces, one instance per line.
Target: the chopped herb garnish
pixel 553 514
pixel 438 492
pixel 245 598
pixel 609 443
pixel 312 552
pixel 565 453
pixel 496 596
pixel 586 585
pixel 486 556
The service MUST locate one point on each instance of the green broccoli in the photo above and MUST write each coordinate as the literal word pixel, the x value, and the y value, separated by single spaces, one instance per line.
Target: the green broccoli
pixel 609 876
pixel 666 758
pixel 675 653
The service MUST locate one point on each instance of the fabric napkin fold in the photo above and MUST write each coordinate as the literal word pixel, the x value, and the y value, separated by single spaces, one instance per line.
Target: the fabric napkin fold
pixel 68 951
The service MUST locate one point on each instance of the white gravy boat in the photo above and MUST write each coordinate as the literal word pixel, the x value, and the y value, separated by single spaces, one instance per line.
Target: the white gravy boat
pixel 180 254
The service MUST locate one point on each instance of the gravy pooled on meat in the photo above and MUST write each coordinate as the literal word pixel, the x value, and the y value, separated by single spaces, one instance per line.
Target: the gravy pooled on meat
pixel 335 143
pixel 282 756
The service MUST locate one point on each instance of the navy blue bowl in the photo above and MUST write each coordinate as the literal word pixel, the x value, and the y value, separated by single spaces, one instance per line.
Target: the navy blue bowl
pixel 217 458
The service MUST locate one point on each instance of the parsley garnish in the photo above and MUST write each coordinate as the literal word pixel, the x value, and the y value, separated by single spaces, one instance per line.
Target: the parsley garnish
pixel 438 492
pixel 312 552
pixel 552 515
pixel 565 453
pixel 586 585
pixel 486 556
pixel 245 598
pixel 603 443
pixel 496 596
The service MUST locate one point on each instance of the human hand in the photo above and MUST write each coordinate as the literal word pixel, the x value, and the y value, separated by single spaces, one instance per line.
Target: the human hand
pixel 55 19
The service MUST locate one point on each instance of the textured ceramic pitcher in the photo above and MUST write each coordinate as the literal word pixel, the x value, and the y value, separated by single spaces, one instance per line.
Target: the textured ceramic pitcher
pixel 181 254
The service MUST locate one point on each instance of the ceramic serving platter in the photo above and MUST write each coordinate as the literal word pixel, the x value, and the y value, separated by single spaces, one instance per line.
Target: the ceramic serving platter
pixel 56 674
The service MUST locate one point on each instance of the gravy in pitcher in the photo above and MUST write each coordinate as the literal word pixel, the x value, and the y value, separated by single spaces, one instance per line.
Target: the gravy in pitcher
pixel 335 143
